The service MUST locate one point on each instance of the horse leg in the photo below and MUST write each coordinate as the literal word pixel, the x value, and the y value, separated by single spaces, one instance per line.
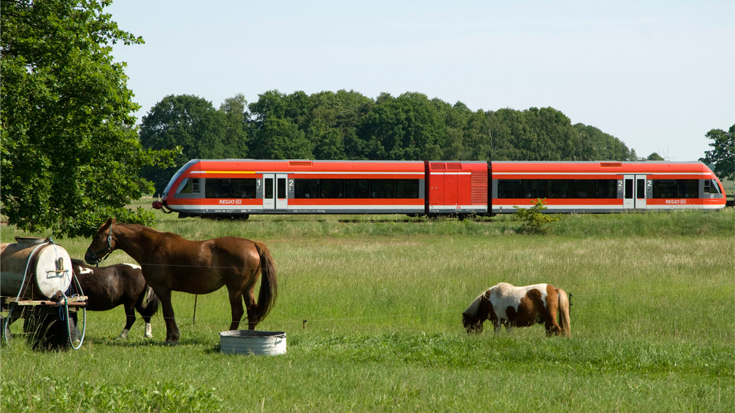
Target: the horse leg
pixel 148 330
pixel 552 327
pixel 172 331
pixel 252 309
pixel 236 307
pixel 147 306
pixel 497 324
pixel 129 320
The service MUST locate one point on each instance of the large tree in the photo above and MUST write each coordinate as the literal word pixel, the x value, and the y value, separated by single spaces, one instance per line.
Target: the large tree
pixel 278 124
pixel 192 123
pixel 605 146
pixel 722 155
pixel 409 127
pixel 70 153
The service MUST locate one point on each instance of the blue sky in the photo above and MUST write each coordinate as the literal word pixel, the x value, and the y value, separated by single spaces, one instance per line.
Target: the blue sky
pixel 657 75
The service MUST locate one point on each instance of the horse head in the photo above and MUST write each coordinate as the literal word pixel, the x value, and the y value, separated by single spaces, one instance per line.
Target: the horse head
pixel 473 324
pixel 102 244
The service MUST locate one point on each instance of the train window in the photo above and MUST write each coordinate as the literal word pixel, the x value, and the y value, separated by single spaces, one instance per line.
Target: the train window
pixel 306 188
pixel 557 188
pixel 356 188
pixel 664 188
pixel 534 188
pixel 640 188
pixel 510 188
pixel 268 188
pixel 715 187
pixel 606 188
pixel 407 188
pixel 711 187
pixel 217 188
pixel 688 188
pixel 676 188
pixel 381 188
pixel 332 188
pixel 243 188
pixel 582 188
pixel 281 188
pixel 189 186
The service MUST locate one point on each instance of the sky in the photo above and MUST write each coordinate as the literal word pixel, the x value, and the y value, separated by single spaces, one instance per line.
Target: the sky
pixel 658 75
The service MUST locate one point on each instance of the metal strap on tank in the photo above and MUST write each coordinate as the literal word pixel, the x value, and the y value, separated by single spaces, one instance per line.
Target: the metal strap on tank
pixel 21 290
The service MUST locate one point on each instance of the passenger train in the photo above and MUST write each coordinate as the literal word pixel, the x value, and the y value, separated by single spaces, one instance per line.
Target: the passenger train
pixel 236 188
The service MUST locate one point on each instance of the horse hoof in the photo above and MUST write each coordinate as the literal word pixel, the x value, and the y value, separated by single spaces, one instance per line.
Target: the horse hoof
pixel 171 343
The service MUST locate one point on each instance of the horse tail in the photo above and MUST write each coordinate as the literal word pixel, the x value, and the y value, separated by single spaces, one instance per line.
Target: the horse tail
pixel 148 304
pixel 268 285
pixel 564 323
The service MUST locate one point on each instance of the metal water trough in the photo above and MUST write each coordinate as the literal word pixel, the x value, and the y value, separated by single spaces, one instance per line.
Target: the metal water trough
pixel 259 343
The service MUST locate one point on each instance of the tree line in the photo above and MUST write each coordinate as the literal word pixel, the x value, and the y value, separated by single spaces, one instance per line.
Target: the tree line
pixel 347 125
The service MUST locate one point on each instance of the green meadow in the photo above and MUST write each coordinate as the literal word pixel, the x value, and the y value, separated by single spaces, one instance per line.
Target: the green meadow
pixel 372 305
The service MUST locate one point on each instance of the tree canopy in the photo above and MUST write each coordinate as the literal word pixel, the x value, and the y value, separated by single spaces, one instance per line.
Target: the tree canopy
pixel 70 153
pixel 722 155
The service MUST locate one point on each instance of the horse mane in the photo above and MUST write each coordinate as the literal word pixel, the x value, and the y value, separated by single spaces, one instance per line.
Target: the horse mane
pixel 474 307
pixel 143 228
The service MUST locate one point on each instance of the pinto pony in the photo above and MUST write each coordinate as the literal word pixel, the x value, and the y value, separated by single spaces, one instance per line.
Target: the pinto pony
pixel 114 285
pixel 512 306
pixel 172 263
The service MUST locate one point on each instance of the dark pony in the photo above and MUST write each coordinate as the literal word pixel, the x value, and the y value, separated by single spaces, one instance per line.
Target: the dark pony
pixel 114 285
pixel 172 263
pixel 510 306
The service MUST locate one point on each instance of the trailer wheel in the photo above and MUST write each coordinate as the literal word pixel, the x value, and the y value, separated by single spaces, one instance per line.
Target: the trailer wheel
pixel 46 331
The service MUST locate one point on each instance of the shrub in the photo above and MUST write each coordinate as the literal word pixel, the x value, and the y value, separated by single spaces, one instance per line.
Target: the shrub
pixel 533 219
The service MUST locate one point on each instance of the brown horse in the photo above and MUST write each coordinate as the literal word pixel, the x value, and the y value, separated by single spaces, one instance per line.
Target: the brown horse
pixel 512 306
pixel 114 285
pixel 172 263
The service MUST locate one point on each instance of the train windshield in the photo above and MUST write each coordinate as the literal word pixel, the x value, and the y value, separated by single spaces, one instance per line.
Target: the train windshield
pixel 177 175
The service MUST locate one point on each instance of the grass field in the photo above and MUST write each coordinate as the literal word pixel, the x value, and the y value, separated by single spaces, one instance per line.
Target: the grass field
pixel 372 308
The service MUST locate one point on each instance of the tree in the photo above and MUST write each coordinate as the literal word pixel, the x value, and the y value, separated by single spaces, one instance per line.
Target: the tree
pixel 333 121
pixel 605 146
pixel 70 153
pixel 236 124
pixel 655 157
pixel 408 127
pixel 722 156
pixel 278 124
pixel 192 123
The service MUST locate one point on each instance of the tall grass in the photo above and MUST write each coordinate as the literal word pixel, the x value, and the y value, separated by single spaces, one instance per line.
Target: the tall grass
pixel 371 306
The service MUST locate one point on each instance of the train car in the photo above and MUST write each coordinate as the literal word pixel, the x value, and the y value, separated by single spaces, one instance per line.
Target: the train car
pixel 239 187
pixel 236 188
pixel 605 186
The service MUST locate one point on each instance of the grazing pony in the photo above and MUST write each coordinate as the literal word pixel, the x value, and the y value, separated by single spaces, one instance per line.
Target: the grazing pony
pixel 172 263
pixel 512 306
pixel 114 285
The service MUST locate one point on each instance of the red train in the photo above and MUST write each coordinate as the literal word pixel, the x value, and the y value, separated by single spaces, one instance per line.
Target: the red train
pixel 236 188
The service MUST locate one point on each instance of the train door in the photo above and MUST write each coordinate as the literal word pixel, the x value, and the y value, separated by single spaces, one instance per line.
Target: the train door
pixel 634 191
pixel 275 196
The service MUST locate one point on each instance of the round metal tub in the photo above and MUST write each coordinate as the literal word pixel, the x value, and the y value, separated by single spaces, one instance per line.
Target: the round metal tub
pixel 259 343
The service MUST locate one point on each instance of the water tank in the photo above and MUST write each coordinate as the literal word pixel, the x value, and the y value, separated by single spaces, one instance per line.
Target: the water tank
pixel 45 266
